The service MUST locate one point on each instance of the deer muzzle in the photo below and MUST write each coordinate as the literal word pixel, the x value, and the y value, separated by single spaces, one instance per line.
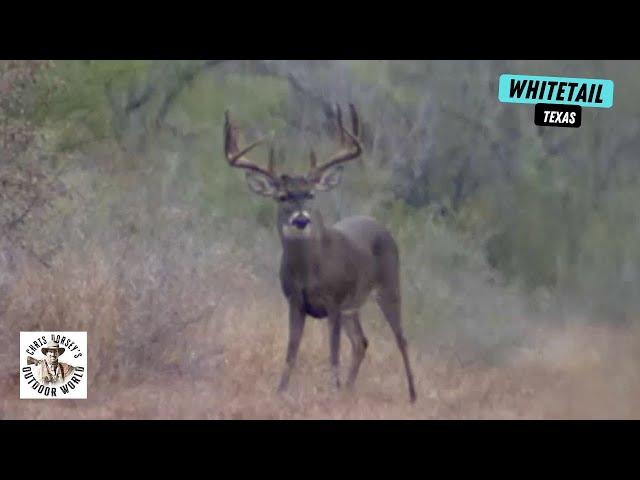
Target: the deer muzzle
pixel 300 220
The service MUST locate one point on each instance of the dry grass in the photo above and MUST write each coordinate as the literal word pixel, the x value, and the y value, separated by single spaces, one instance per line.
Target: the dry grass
pixel 226 364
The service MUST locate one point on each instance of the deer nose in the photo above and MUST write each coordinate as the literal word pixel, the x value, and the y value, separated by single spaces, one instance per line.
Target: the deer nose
pixel 300 222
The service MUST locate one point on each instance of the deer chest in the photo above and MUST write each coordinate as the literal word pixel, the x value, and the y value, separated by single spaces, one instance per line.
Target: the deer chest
pixel 319 285
pixel 313 306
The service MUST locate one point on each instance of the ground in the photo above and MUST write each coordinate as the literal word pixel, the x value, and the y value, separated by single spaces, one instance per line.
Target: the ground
pixel 576 371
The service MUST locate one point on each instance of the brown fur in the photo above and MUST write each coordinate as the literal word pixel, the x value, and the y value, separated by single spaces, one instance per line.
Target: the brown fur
pixel 331 274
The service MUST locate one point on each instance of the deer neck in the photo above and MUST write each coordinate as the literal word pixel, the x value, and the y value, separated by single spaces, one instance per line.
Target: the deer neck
pixel 300 255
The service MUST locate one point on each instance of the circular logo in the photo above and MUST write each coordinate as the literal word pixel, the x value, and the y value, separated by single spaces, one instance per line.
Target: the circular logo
pixel 53 365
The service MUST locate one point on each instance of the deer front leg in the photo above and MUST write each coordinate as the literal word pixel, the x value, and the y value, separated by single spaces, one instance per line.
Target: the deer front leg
pixel 296 326
pixel 334 343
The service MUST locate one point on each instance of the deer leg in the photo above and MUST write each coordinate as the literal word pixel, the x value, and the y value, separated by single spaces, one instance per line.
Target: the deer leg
pixel 359 344
pixel 334 343
pixel 296 327
pixel 390 305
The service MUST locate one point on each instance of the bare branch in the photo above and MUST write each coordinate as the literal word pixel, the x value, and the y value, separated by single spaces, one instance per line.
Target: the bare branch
pixel 186 79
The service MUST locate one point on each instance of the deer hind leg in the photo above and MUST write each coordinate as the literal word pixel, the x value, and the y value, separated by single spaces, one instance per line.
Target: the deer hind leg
pixel 359 343
pixel 334 344
pixel 389 302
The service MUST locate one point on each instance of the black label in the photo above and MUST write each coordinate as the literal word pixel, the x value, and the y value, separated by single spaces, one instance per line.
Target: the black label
pixel 548 115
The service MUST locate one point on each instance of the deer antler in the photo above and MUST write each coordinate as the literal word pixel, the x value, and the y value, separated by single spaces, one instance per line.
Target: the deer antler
pixel 236 157
pixel 352 148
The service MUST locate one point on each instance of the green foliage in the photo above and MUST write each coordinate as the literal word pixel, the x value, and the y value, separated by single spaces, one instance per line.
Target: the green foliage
pixel 607 268
pixel 550 209
pixel 78 106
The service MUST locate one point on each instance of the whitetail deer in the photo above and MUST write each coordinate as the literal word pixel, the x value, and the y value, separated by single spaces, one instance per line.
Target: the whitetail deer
pixel 327 271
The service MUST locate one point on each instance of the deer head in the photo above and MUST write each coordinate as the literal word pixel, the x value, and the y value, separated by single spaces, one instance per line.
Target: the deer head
pixel 296 219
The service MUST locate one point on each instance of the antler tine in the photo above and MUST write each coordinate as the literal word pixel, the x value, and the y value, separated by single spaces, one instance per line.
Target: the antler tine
pixel 340 127
pixel 313 161
pixel 271 167
pixel 236 157
pixel 351 152
pixel 355 121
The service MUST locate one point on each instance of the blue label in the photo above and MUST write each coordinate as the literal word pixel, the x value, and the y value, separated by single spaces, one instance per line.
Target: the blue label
pixel 586 92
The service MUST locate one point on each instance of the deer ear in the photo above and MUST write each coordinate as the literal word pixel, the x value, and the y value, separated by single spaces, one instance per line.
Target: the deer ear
pixel 261 184
pixel 329 179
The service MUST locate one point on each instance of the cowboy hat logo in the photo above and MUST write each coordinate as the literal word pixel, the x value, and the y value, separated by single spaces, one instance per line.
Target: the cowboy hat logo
pixel 54 347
